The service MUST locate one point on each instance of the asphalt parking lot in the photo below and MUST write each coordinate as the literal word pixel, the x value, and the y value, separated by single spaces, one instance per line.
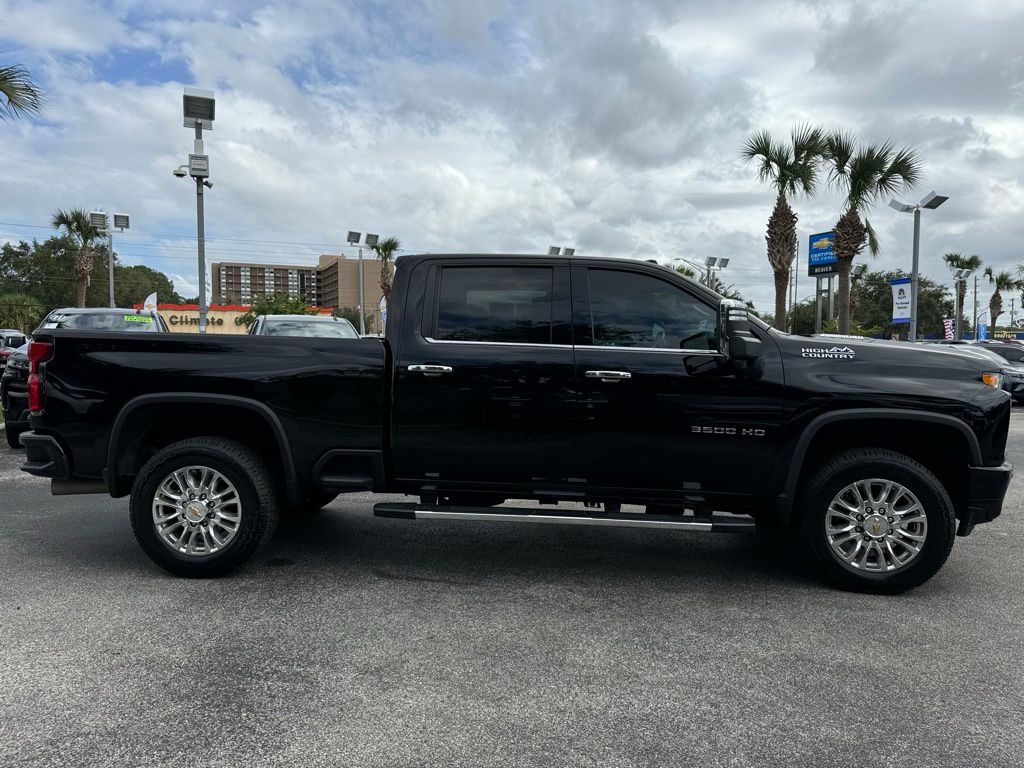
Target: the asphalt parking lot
pixel 357 641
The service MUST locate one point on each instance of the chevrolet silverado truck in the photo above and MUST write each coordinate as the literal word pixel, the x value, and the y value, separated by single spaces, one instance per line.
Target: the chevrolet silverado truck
pixel 649 400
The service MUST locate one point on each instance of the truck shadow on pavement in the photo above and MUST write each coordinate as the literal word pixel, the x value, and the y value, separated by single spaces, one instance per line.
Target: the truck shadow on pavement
pixel 473 553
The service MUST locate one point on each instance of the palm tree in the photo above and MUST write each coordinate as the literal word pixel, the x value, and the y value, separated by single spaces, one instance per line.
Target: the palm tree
pixel 865 174
pixel 1003 281
pixel 21 96
pixel 385 250
pixel 956 262
pixel 789 169
pixel 75 223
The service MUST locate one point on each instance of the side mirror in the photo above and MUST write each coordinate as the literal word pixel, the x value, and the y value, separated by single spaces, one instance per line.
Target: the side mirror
pixel 735 338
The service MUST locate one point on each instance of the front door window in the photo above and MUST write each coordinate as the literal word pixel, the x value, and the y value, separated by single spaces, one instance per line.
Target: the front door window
pixel 628 309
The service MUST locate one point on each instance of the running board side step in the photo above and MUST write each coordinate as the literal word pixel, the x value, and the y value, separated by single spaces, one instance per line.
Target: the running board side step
pixel 712 524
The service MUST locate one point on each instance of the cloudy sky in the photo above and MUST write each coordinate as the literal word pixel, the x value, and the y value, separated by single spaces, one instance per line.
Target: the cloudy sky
pixel 509 125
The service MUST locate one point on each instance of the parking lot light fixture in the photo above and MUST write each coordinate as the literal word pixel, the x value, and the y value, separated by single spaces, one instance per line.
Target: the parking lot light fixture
pixel 100 222
pixel 713 264
pixel 931 201
pixel 370 242
pixel 199 108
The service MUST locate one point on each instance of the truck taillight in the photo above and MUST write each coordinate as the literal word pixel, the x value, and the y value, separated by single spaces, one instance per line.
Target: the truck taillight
pixel 38 352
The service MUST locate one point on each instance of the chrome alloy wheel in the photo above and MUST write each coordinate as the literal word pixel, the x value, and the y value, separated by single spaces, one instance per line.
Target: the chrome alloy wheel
pixel 876 525
pixel 196 511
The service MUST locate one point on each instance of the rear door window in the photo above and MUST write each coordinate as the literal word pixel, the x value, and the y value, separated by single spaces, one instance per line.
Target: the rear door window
pixel 495 305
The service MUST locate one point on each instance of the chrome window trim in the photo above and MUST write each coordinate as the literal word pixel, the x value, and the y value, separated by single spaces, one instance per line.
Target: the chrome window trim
pixel 431 340
pixel 654 349
pixel 713 352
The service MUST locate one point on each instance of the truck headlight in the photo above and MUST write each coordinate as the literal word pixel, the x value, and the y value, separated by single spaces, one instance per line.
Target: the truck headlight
pixel 993 379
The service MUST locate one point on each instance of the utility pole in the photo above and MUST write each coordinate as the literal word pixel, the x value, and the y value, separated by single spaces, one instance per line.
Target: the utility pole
pixel 1013 313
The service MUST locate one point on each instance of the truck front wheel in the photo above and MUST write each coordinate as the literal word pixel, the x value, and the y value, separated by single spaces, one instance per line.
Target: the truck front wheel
pixel 202 507
pixel 876 520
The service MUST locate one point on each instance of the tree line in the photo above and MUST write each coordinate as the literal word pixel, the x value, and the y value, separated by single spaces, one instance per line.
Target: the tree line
pixel 38 276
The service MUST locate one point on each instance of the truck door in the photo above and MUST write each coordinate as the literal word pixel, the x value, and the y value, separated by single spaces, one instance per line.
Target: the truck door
pixel 484 379
pixel 661 407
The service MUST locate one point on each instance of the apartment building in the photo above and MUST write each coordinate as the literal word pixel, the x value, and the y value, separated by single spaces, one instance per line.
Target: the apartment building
pixel 240 283
pixel 338 282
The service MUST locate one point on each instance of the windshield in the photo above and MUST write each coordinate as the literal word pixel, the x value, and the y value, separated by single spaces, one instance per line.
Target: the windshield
pixel 328 329
pixel 104 321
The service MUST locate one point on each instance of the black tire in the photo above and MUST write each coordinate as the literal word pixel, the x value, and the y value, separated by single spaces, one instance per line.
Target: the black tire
pixel 316 502
pixel 13 437
pixel 256 490
pixel 842 469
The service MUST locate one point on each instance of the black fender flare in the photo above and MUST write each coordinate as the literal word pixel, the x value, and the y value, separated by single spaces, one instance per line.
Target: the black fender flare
pixel 234 401
pixel 786 499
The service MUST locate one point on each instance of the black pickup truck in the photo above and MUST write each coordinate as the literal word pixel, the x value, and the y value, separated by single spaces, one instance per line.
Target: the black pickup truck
pixel 615 383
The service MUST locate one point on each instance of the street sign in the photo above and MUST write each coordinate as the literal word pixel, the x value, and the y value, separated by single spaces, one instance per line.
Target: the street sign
pixel 900 299
pixel 821 257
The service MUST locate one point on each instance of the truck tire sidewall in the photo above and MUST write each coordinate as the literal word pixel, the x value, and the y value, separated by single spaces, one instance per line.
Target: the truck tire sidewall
pixel 239 465
pixel 844 469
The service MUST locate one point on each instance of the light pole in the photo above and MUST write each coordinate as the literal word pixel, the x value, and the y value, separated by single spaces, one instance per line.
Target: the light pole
pixel 370 242
pixel 713 264
pixel 930 201
pixel 100 222
pixel 198 108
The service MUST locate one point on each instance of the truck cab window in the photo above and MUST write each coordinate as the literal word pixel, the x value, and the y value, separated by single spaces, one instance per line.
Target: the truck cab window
pixel 495 304
pixel 628 309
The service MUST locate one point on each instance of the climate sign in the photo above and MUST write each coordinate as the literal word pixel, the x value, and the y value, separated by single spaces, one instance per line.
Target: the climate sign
pixel 821 255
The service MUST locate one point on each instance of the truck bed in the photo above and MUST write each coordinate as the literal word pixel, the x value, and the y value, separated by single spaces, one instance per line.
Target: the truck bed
pixel 322 393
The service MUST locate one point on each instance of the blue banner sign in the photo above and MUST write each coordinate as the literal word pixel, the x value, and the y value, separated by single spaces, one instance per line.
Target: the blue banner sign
pixel 821 256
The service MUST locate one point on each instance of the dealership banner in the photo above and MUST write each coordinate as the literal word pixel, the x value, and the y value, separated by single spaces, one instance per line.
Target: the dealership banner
pixel 900 299
pixel 949 327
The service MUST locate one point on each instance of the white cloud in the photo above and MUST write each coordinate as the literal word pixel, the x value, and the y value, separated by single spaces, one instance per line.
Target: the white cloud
pixel 497 126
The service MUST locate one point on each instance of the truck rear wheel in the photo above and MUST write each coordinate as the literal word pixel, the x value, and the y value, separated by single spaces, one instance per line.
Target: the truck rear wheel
pixel 204 506
pixel 877 521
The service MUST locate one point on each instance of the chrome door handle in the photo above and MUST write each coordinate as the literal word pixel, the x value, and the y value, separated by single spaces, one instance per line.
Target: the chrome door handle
pixel 609 375
pixel 430 370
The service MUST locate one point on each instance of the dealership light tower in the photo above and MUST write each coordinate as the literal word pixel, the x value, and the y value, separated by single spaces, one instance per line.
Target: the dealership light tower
pixel 199 107
pixel 100 222
pixel 370 242
pixel 930 201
